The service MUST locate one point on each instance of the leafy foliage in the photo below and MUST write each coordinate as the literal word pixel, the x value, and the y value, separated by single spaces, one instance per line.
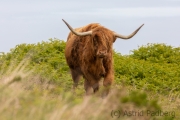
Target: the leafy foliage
pixel 46 58
pixel 155 67
pixel 157 53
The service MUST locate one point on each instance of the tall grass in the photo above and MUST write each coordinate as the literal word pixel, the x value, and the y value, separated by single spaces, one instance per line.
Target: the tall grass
pixel 26 97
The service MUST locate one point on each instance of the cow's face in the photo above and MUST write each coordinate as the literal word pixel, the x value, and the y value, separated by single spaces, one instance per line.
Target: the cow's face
pixel 100 47
pixel 102 44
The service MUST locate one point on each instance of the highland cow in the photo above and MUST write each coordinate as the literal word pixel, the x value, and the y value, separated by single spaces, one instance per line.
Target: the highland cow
pixel 89 53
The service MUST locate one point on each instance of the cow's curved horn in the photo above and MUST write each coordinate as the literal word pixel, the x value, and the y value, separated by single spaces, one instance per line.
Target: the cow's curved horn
pixel 78 33
pixel 129 36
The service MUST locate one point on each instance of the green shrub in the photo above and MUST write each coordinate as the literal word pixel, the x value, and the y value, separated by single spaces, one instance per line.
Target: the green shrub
pixel 155 67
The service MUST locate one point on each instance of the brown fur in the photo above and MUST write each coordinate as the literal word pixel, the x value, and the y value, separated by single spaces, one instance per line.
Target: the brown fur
pixel 82 56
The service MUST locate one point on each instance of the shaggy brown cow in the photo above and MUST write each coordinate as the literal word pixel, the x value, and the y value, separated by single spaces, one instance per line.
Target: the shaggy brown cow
pixel 89 54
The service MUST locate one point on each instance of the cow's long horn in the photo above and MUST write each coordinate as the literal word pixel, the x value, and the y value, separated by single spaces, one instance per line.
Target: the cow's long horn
pixel 78 33
pixel 129 36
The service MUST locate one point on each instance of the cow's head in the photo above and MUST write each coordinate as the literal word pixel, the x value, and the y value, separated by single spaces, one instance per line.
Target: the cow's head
pixel 102 38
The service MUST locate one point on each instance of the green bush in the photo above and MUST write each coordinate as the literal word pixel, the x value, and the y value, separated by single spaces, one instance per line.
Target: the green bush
pixel 155 67
pixel 157 53
pixel 45 58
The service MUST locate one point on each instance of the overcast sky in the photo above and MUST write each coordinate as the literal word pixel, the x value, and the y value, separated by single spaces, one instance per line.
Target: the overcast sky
pixel 23 21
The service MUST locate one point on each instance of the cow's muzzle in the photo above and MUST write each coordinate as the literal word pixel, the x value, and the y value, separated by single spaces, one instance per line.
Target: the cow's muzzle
pixel 102 54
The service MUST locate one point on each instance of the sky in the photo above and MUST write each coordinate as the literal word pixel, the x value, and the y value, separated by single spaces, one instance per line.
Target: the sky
pixel 23 21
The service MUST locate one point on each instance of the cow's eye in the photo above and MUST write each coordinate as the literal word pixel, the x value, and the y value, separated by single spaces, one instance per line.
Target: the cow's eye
pixel 95 41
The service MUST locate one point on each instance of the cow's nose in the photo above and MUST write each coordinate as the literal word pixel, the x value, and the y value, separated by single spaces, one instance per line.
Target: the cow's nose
pixel 102 52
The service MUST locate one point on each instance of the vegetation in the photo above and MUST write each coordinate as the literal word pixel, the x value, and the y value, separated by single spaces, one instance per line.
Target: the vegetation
pixel 155 67
pixel 35 83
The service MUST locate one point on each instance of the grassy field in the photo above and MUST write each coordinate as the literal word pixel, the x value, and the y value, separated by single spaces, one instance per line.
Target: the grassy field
pixel 35 83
